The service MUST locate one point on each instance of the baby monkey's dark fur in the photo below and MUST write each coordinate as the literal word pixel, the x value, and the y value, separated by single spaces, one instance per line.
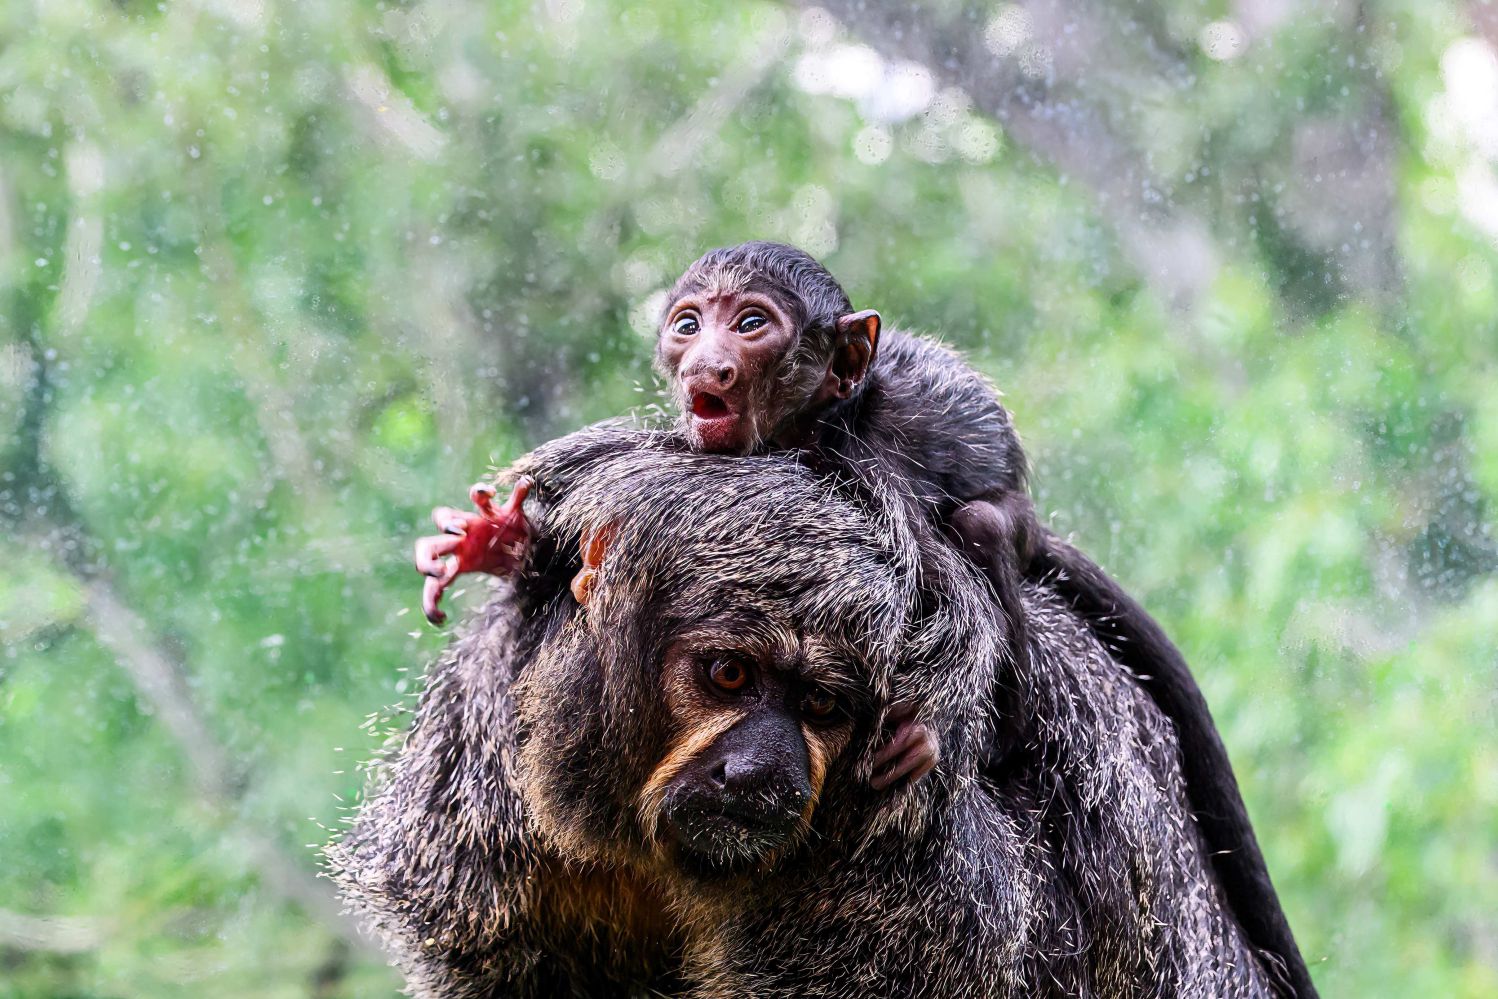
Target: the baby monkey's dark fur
pixel 764 351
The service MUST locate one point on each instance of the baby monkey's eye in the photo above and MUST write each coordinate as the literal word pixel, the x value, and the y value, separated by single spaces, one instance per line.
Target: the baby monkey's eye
pixel 820 704
pixel 752 322
pixel 685 326
pixel 728 674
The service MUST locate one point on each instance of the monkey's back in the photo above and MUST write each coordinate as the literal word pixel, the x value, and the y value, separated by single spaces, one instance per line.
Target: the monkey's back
pixel 934 424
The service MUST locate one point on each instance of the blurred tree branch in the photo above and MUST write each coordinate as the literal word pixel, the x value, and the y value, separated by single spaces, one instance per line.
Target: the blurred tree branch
pixel 56 934
pixel 159 679
pixel 1172 248
pixel 159 676
pixel 1084 68
pixel 717 104
pixel 275 406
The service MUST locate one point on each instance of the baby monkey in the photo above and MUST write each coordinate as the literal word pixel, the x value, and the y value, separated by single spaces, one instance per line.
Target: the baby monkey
pixel 764 352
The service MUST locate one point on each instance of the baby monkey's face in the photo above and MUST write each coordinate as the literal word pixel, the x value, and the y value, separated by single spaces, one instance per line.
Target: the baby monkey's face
pixel 758 717
pixel 728 353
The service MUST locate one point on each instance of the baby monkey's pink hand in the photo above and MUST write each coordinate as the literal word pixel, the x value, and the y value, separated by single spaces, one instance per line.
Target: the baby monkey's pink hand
pixel 910 754
pixel 493 540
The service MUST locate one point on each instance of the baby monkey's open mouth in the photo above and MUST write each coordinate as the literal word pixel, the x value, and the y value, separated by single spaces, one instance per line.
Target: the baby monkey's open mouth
pixel 706 406
pixel 717 426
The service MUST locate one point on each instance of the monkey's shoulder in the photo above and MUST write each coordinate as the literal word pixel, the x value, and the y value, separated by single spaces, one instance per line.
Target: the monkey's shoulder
pixel 942 418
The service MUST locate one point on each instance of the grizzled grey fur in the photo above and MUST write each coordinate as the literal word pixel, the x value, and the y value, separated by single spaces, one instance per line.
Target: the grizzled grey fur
pixel 929 427
pixel 501 851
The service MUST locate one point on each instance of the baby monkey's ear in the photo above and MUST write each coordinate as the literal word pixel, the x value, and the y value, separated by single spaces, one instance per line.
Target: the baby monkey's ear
pixel 595 544
pixel 857 344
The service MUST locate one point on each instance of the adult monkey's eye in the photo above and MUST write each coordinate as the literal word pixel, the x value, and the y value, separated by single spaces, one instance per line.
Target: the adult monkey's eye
pixel 728 674
pixel 685 326
pixel 820 704
pixel 752 322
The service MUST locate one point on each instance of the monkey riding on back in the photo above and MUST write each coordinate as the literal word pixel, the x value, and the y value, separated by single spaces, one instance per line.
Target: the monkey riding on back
pixel 764 352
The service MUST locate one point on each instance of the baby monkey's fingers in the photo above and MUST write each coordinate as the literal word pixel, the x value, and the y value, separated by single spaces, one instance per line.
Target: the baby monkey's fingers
pixel 910 754
pixel 519 493
pixel 450 520
pixel 431 552
pixel 431 595
pixel 482 495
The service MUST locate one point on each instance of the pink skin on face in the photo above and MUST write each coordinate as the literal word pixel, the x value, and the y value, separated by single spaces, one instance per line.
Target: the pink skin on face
pixel 719 347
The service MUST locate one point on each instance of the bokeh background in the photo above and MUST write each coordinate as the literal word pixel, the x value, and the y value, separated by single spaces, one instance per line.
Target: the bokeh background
pixel 276 277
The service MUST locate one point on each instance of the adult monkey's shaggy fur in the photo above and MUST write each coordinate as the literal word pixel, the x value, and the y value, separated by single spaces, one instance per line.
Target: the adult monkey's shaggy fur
pixel 763 352
pixel 510 849
pixel 918 418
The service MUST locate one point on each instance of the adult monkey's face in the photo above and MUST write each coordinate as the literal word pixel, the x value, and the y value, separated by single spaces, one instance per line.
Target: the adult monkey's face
pixel 687 739
pixel 758 714
pixel 710 688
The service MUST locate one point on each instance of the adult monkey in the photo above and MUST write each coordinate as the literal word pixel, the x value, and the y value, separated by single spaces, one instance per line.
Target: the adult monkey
pixel 656 787
pixel 479 889
pixel 764 351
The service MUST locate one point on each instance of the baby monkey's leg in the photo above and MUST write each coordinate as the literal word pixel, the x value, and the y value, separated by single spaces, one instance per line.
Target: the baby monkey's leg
pixel 999 534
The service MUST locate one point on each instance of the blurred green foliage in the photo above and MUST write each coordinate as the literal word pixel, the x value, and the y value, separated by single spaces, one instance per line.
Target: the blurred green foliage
pixel 277 277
